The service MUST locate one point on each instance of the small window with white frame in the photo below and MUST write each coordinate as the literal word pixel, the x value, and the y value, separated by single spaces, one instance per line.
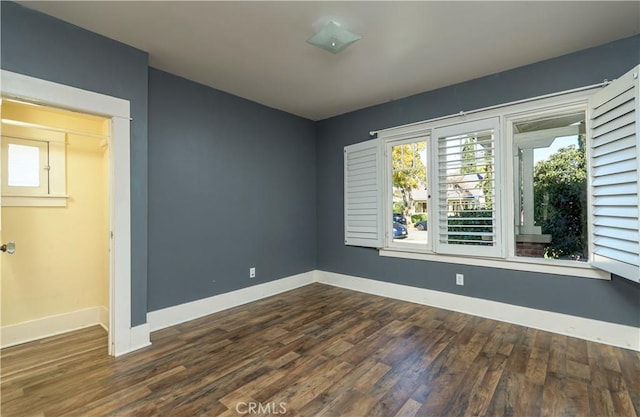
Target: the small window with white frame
pixel 33 167
pixel 27 165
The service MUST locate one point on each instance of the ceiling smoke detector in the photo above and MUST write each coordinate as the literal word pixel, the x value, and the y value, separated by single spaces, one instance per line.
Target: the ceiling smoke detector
pixel 333 38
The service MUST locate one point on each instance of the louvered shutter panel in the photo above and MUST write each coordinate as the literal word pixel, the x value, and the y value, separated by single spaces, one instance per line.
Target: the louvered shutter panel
pixel 615 197
pixel 468 199
pixel 363 224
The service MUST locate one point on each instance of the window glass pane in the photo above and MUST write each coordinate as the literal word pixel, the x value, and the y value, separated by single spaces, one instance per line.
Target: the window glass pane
pixel 467 189
pixel 23 166
pixel 410 195
pixel 551 188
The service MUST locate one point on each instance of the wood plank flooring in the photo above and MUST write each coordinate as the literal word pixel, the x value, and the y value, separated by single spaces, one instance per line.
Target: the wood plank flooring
pixel 325 351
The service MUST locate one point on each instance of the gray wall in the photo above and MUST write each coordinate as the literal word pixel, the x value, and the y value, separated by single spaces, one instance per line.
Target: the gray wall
pixel 616 301
pixel 231 185
pixel 41 46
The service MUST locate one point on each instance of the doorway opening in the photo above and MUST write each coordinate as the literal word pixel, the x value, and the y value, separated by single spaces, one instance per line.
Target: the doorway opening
pixel 55 206
pixel 123 337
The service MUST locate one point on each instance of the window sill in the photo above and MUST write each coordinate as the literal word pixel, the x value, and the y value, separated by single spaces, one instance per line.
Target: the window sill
pixel 570 268
pixel 34 201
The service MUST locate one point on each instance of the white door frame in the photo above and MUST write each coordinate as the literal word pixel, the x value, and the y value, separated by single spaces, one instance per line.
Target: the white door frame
pixel 122 337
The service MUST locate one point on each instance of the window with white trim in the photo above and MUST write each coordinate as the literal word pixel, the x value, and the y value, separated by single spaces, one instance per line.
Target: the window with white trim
pixel 33 167
pixel 483 164
pixel 27 165
pixel 550 184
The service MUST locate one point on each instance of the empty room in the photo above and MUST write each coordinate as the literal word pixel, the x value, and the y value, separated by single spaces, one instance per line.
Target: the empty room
pixel 317 208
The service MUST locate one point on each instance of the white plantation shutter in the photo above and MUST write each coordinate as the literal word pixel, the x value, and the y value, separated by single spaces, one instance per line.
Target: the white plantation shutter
pixel 467 202
pixel 615 144
pixel 363 225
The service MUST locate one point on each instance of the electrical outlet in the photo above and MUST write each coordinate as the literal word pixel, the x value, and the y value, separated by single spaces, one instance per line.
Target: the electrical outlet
pixel 252 272
pixel 459 279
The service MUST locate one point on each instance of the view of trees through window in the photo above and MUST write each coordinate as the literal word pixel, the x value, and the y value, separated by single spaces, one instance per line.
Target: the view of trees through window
pixel 410 195
pixel 551 206
pixel 550 181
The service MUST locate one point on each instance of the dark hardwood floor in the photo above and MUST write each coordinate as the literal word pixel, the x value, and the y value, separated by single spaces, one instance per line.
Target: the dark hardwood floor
pixel 325 351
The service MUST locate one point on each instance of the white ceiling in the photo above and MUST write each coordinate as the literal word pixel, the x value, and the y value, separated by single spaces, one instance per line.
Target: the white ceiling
pixel 258 50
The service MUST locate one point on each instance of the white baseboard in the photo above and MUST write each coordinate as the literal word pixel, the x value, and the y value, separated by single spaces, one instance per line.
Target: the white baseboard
pixel 139 337
pixel 170 316
pixel 598 331
pixel 595 330
pixel 134 338
pixel 28 331
pixel 104 318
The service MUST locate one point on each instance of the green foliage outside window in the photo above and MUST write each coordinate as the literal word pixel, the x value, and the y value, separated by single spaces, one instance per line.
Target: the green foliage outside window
pixel 469 222
pixel 560 185
pixel 419 217
pixel 409 174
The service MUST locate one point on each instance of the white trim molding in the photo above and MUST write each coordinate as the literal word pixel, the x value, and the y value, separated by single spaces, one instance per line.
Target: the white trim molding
pixel 543 266
pixel 19 86
pixel 104 318
pixel 34 201
pixel 29 331
pixel 619 335
pixel 171 316
pixel 139 337
pixel 34 90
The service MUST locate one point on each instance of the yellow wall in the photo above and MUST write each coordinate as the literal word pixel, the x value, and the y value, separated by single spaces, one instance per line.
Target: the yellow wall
pixel 62 259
